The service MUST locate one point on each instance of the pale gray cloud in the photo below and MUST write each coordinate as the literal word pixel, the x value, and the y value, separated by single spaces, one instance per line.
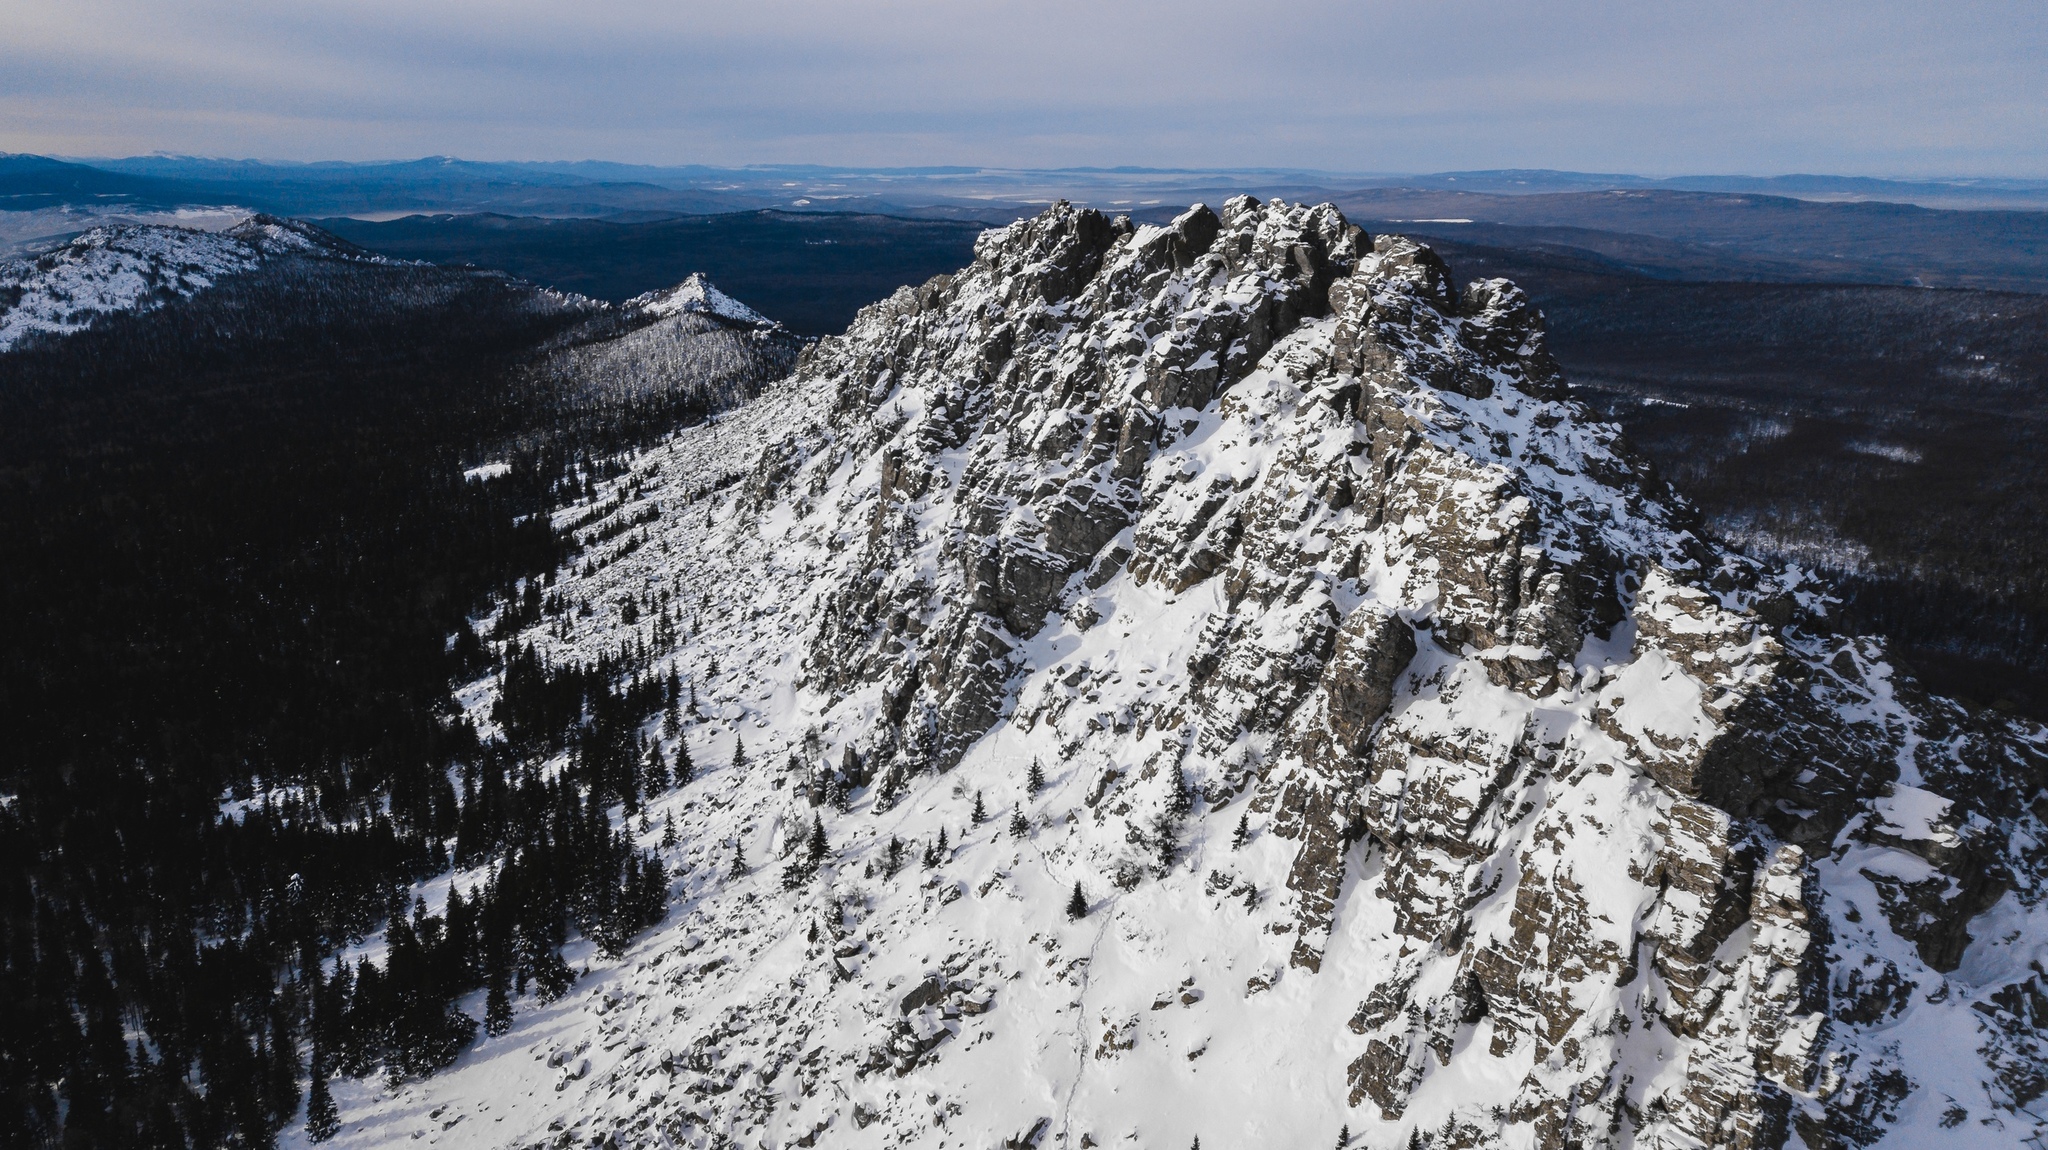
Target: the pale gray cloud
pixel 1879 87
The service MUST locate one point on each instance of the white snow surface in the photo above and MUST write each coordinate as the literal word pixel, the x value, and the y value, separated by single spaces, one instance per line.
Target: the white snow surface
pixel 697 294
pixel 759 1017
pixel 129 268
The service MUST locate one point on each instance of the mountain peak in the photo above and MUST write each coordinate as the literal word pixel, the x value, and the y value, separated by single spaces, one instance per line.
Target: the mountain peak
pixel 698 294
pixel 120 268
pixel 1211 680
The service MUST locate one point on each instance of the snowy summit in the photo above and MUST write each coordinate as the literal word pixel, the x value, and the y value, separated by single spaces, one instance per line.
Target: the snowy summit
pixel 138 268
pixel 698 294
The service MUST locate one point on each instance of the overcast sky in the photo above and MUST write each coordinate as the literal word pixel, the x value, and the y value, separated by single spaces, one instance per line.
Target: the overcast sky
pixel 1875 87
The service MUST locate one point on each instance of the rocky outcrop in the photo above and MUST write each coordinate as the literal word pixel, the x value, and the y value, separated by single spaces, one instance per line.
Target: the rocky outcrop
pixel 1363 670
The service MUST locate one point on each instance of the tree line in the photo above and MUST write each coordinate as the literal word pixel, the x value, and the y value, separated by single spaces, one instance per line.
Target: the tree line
pixel 240 539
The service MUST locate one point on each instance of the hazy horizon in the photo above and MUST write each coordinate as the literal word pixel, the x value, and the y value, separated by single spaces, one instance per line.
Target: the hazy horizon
pixel 968 169
pixel 1887 90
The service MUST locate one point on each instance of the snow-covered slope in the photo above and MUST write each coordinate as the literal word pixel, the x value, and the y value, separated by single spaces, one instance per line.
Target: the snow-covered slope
pixel 691 346
pixel 1423 773
pixel 137 267
pixel 698 294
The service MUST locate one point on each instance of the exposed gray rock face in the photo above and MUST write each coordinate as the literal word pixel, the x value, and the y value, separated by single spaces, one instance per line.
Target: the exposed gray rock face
pixel 1561 825
pixel 1074 422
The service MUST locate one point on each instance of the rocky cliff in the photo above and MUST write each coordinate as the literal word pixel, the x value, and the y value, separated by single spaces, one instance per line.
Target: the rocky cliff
pixel 1422 771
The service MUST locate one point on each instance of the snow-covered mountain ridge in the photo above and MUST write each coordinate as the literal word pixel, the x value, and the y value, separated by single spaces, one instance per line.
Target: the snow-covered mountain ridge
pixel 140 267
pixel 659 338
pixel 1424 774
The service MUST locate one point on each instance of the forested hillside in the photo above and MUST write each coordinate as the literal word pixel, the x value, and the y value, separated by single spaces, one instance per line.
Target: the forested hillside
pixel 811 270
pixel 246 532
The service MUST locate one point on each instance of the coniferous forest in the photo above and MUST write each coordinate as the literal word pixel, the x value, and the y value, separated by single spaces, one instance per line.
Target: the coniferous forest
pixel 242 557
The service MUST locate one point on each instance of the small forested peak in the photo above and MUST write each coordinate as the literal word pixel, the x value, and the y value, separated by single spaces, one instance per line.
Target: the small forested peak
pixel 698 294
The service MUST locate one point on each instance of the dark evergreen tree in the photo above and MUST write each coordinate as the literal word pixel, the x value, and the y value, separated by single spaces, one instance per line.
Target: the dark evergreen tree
pixel 805 861
pixel 656 778
pixel 739 753
pixel 796 872
pixel 551 974
pixel 815 846
pixel 322 1120
pixel 980 813
pixel 1343 1137
pixel 685 770
pixel 1165 841
pixel 498 1003
pixel 623 772
pixel 1019 828
pixel 892 786
pixel 281 1092
pixel 672 709
pixel 1243 831
pixel 1034 781
pixel 1077 904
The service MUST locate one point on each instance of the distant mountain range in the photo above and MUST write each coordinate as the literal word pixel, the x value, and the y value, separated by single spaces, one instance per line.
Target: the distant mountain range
pixel 599 188
pixel 1799 228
